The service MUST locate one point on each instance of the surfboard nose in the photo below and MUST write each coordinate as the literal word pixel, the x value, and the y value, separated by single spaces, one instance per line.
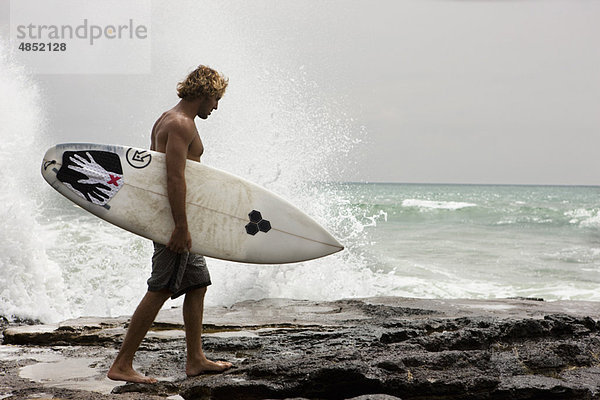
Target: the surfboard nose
pixel 49 164
pixel 337 245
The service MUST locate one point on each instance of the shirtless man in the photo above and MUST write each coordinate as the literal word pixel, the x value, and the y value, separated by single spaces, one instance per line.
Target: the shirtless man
pixel 174 270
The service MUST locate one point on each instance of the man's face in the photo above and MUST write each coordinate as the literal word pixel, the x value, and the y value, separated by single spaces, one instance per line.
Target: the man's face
pixel 208 104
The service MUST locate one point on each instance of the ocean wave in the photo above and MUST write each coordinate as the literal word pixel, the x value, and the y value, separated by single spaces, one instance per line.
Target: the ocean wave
pixel 436 205
pixel 592 222
pixel 526 219
pixel 584 218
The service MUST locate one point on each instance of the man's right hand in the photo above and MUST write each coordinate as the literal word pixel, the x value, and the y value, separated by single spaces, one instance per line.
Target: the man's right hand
pixel 181 241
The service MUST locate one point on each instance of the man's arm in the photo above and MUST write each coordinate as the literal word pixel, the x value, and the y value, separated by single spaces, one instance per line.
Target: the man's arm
pixel 178 141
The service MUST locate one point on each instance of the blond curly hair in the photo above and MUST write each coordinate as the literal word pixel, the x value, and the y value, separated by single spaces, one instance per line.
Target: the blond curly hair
pixel 203 81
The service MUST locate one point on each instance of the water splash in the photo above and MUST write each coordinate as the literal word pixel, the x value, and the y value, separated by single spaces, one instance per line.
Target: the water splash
pixel 31 286
pixel 287 140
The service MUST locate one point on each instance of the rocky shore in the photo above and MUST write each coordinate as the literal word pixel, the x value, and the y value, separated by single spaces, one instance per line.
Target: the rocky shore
pixel 375 348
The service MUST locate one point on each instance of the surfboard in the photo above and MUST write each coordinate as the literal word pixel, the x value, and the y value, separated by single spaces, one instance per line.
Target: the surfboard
pixel 229 217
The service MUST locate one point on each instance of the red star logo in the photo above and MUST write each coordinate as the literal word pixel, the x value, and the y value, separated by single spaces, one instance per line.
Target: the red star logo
pixel 114 180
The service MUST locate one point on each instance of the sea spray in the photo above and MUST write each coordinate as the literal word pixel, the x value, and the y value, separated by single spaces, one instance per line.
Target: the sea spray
pixel 31 286
pixel 293 144
pixel 286 140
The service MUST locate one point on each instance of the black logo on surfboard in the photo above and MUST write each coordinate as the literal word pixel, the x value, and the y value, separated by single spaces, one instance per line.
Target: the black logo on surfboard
pixel 257 223
pixel 138 158
pixel 94 175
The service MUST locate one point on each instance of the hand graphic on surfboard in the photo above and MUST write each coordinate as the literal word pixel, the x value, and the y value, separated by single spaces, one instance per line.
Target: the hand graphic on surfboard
pixel 91 180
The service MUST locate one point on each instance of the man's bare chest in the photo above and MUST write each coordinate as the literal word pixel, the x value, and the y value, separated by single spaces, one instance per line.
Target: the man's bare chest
pixel 196 149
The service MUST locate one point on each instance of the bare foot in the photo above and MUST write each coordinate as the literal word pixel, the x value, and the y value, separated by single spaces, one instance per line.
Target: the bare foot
pixel 128 375
pixel 200 367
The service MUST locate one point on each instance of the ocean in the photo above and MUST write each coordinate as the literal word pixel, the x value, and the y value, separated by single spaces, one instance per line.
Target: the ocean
pixel 433 241
pixel 414 240
pixel 483 241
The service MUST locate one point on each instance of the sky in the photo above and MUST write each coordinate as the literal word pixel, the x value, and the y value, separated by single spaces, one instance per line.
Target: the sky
pixel 417 91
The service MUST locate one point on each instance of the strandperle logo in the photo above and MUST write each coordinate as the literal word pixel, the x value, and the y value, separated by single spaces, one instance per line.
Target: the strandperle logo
pixel 84 31
pixel 82 37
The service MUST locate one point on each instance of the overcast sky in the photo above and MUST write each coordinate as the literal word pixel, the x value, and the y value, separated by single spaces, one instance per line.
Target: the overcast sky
pixel 442 91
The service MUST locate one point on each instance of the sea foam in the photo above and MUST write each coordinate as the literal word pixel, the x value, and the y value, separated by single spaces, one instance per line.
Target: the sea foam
pixel 436 205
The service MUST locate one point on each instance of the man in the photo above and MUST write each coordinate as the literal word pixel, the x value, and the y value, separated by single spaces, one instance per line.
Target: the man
pixel 174 270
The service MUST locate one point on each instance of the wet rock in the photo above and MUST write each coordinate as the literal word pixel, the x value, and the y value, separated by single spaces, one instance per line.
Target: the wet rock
pixel 379 348
pixel 82 331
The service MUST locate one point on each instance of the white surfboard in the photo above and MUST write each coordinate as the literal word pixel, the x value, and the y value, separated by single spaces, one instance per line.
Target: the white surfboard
pixel 229 218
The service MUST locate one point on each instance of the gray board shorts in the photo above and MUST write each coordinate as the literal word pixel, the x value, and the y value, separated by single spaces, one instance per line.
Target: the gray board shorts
pixel 178 273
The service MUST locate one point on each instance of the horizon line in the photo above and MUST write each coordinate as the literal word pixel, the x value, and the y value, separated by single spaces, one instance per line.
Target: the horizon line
pixel 463 184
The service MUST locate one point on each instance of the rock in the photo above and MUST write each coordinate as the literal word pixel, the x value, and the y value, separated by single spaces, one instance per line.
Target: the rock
pixel 81 331
pixel 159 389
pixel 377 348
pixel 541 387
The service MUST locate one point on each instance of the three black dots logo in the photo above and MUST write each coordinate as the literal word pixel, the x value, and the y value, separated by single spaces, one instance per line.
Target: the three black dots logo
pixel 257 223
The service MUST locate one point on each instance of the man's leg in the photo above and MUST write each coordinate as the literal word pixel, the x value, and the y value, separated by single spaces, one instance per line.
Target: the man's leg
pixel 141 321
pixel 193 310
